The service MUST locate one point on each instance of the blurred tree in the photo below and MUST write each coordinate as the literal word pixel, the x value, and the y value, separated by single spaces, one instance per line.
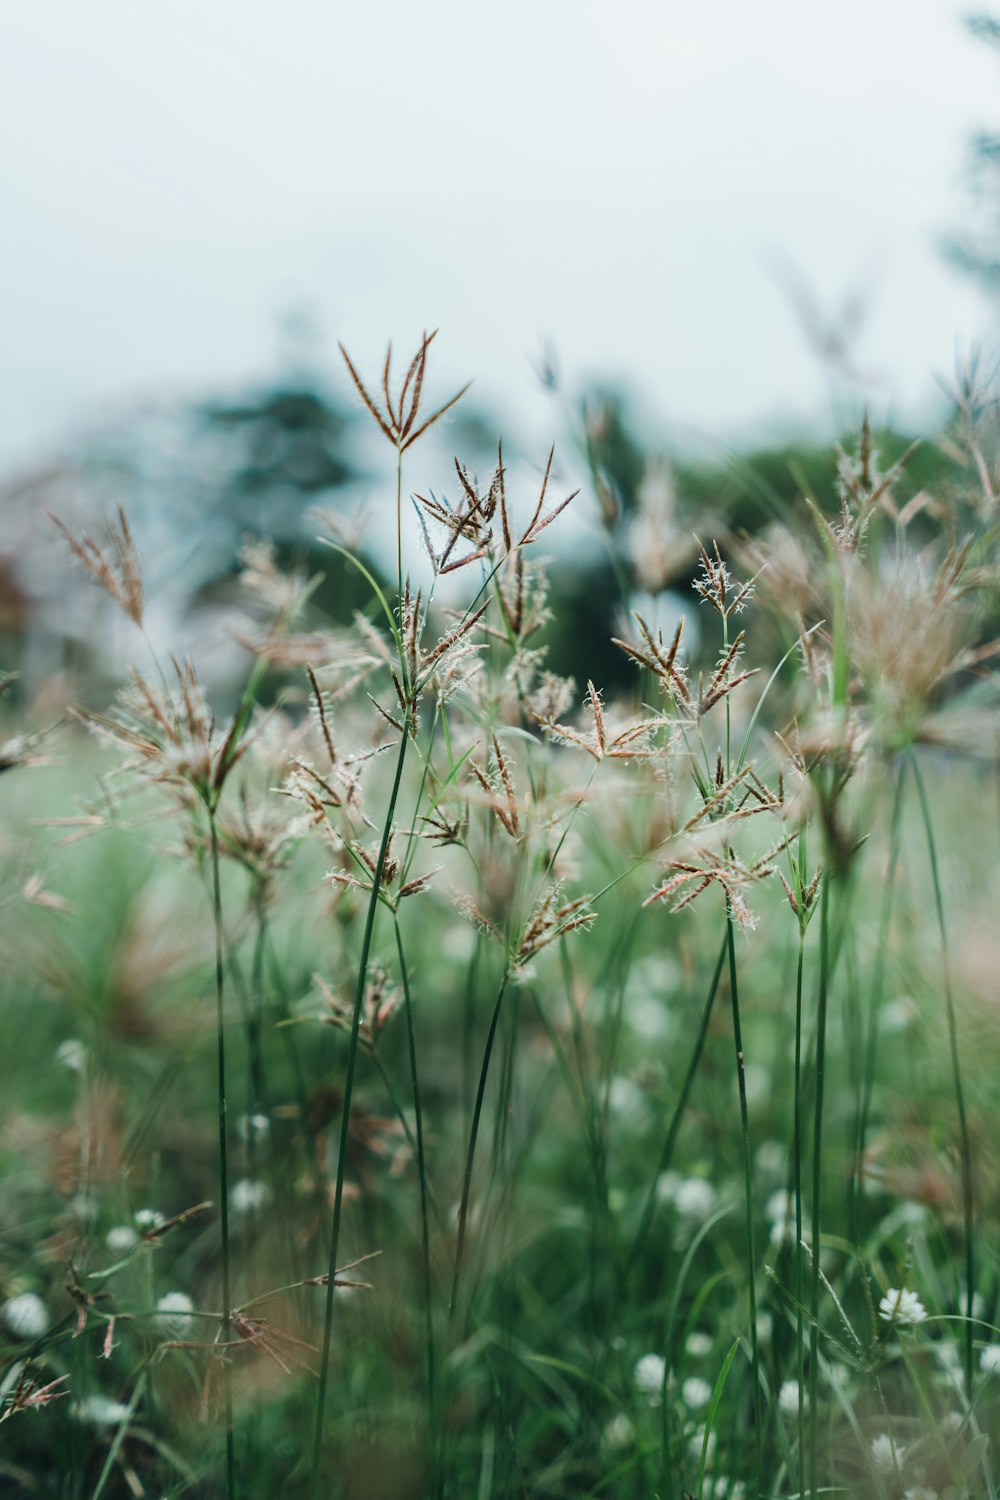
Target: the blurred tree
pixel 976 249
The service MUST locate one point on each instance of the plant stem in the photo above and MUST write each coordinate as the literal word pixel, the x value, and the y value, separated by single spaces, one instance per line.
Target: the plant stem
pixel 800 1362
pixel 352 1055
pixel 463 1213
pixel 421 1168
pixel 758 1431
pixel 824 971
pixel 223 1147
pixel 871 1041
pixel 675 1123
pixel 963 1123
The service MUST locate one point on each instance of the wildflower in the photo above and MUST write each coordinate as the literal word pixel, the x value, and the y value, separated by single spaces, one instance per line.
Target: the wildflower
pixel 252 1125
pixel 694 1198
pixel 698 1344
pixel 99 1411
pixel 72 1054
pixel 618 1433
pixel 788 1397
pixel 919 1492
pixel 148 1218
pixel 696 1392
pixel 121 1238
pixel 902 1307
pixel 694 1446
pixel 887 1455
pixel 173 1314
pixel 648 1375
pixel 781 1212
pixel 26 1316
pixel 249 1197
pixel 989 1360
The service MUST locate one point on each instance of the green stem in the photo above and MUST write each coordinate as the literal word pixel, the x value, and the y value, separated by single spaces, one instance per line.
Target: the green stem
pixel 223 1146
pixel 352 1055
pixel 675 1123
pixel 963 1123
pixel 824 971
pixel 871 1041
pixel 800 1363
pixel 421 1168
pixel 463 1213
pixel 758 1416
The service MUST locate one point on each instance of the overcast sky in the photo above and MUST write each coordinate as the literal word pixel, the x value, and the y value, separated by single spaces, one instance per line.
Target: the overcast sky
pixel 628 182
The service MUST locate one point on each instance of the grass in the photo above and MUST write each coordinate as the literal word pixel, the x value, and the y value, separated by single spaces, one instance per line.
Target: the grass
pixel 463 1178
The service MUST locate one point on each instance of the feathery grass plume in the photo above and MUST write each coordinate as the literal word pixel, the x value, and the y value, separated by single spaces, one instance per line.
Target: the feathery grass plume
pixel 117 570
pixel 399 420
pixel 173 734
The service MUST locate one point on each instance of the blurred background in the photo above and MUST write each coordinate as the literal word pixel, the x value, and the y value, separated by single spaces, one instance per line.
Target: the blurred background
pixel 689 245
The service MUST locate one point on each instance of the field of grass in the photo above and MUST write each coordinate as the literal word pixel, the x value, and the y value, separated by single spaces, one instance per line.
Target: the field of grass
pixel 429 1078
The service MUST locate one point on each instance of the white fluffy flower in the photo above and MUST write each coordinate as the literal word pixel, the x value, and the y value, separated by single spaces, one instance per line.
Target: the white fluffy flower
pixel 902 1307
pixel 72 1054
pixel 648 1376
pixel 248 1196
pixel 788 1398
pixel 26 1316
pixel 698 1345
pixel 171 1310
pixel 920 1492
pixel 149 1218
pixel 696 1392
pixel 694 1198
pixel 989 1360
pixel 121 1238
pixel 100 1411
pixel 887 1456
pixel 618 1433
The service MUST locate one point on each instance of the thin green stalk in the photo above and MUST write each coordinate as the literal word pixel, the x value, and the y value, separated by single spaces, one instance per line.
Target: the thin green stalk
pixel 963 1124
pixel 758 1415
pixel 223 1147
pixel 463 1213
pixel 675 1123
pixel 800 1361
pixel 878 980
pixel 824 973
pixel 421 1167
pixel 352 1055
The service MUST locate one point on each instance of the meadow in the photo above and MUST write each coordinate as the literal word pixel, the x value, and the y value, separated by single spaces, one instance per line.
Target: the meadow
pixel 430 1075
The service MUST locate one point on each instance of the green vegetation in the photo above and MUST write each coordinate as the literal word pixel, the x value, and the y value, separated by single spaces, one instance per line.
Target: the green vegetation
pixel 443 1078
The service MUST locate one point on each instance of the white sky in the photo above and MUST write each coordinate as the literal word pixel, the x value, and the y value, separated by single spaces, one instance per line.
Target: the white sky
pixel 617 179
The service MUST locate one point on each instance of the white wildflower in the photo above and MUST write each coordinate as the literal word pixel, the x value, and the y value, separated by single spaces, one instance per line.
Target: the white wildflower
pixel 694 1446
pixel 72 1054
pixel 989 1360
pixel 26 1316
pixel 248 1196
pixel 781 1212
pixel 919 1492
pixel 887 1456
pixel 618 1433
pixel 696 1392
pixel 698 1344
pixel 788 1398
pixel 902 1307
pixel 694 1198
pixel 252 1125
pixel 148 1218
pixel 648 1376
pixel 121 1238
pixel 172 1311
pixel 100 1411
